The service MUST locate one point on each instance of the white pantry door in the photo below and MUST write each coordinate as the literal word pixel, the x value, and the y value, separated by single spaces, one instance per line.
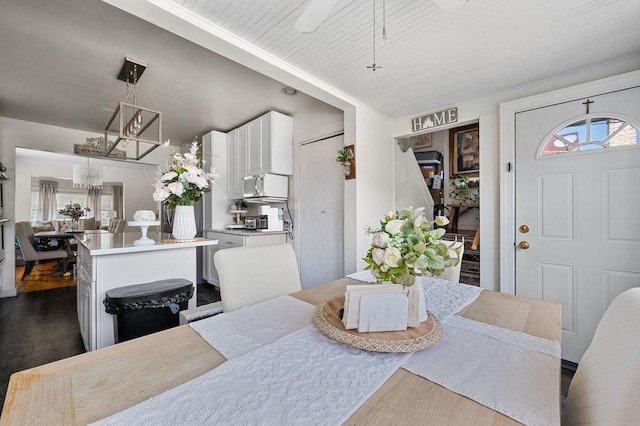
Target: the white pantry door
pixel 581 207
pixel 321 229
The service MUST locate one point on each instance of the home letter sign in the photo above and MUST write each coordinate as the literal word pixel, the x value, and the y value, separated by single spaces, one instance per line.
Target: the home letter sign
pixel 435 119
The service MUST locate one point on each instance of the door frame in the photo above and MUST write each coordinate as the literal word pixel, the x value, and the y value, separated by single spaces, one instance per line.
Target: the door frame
pixel 508 111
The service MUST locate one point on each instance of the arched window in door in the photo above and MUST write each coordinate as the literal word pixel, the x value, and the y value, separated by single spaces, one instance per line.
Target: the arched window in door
pixel 591 134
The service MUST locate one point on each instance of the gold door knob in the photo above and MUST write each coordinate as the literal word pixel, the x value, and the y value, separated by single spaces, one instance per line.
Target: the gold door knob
pixel 524 229
pixel 524 245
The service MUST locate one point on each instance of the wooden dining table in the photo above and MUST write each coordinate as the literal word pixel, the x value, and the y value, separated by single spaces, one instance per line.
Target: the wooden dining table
pixel 94 385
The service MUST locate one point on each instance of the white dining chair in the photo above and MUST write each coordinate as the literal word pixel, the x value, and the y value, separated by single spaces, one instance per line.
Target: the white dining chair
pixel 250 275
pixel 605 389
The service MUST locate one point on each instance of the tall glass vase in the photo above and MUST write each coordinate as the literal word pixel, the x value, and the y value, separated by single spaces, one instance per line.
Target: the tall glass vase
pixel 184 223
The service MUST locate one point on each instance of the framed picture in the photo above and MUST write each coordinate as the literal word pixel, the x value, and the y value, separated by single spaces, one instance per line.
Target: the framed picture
pixel 421 142
pixel 464 150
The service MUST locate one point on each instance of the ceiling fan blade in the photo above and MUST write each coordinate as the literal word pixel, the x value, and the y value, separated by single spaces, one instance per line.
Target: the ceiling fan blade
pixel 450 5
pixel 313 15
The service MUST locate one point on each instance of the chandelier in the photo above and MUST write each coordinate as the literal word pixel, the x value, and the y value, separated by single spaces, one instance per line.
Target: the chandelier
pixel 87 177
pixel 130 122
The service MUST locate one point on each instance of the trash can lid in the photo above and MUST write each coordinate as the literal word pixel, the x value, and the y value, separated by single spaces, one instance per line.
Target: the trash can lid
pixel 147 291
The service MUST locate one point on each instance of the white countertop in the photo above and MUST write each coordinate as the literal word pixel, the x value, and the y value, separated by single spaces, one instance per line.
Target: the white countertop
pixel 102 244
pixel 245 232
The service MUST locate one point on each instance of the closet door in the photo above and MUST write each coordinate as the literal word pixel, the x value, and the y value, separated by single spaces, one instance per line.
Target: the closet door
pixel 321 229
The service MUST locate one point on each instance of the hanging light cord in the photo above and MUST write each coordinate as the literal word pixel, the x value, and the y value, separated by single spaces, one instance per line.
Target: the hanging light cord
pixel 384 21
pixel 374 67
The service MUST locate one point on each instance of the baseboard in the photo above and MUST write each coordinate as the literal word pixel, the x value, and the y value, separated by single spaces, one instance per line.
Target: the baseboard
pixel 12 292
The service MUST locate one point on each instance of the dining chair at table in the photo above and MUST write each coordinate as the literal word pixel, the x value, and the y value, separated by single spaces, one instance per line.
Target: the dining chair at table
pixel 605 389
pixel 24 233
pixel 250 275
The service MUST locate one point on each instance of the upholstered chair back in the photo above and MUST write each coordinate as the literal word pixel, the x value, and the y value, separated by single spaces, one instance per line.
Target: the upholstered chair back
pixel 606 387
pixel 250 275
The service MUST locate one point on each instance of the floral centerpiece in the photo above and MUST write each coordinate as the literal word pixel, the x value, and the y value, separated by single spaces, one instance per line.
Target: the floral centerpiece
pixel 180 186
pixel 184 182
pixel 406 246
pixel 74 210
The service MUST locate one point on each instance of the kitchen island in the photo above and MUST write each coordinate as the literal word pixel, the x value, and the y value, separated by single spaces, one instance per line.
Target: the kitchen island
pixel 107 261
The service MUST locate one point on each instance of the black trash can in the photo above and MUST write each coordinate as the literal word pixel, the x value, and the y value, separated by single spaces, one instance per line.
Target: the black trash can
pixel 143 309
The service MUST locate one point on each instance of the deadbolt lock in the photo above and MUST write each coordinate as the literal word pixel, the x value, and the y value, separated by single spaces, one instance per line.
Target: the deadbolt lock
pixel 524 245
pixel 524 229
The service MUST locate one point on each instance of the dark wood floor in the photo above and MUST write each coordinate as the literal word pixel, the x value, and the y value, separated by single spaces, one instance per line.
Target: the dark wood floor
pixel 39 327
pixel 42 326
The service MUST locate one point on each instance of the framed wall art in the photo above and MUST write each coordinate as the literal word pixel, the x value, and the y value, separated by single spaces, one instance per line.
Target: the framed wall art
pixel 464 150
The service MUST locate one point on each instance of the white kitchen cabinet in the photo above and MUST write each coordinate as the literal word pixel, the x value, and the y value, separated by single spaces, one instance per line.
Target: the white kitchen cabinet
pixel 85 295
pixel 270 144
pixel 263 145
pixel 240 239
pixel 215 204
pixel 233 182
pixel 237 141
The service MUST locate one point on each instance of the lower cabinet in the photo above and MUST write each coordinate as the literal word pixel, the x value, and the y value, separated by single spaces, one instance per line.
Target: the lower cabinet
pixel 84 307
pixel 226 241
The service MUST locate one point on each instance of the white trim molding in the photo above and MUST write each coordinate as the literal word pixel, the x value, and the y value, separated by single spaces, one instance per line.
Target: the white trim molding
pixel 508 111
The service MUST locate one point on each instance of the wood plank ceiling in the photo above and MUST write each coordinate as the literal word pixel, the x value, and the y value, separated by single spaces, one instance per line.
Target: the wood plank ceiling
pixel 433 58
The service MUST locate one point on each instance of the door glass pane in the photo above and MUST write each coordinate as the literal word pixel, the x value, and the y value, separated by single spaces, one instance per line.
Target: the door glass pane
pixel 592 134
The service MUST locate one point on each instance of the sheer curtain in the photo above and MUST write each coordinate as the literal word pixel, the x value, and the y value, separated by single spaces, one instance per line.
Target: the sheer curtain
pixel 47 204
pixel 118 202
pixel 93 202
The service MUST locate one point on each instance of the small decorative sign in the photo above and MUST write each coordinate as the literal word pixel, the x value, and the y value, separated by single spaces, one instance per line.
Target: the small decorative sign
pixel 435 119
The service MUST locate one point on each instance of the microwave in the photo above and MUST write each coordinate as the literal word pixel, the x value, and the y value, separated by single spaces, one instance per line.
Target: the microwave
pixel 265 185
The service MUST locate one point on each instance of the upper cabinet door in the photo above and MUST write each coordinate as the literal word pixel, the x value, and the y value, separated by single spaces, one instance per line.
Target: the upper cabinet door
pixel 233 182
pixel 277 143
pixel 255 147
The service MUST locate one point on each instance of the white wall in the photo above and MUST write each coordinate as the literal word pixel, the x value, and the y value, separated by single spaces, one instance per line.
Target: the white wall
pixel 137 183
pixel 372 196
pixel 486 112
pixel 18 133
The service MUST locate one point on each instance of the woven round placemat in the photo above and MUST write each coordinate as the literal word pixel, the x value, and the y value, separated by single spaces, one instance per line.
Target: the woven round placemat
pixel 411 340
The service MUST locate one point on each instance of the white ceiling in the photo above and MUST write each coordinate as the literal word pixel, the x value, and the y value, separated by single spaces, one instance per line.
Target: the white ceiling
pixel 59 58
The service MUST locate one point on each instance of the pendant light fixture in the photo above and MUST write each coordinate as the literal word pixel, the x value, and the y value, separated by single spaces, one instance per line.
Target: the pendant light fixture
pixel 87 177
pixel 130 122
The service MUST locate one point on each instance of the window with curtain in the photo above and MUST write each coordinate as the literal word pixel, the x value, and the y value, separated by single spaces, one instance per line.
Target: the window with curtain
pixel 47 204
pixel 94 202
pixel 118 201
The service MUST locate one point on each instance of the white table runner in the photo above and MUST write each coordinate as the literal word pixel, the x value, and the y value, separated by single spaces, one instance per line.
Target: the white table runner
pixel 303 378
pixel 246 329
pixel 481 361
pixel 256 383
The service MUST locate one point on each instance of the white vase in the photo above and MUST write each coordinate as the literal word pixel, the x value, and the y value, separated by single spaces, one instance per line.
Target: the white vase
pixel 184 223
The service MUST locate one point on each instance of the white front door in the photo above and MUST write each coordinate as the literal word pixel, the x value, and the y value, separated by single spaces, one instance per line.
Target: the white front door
pixel 581 205
pixel 321 230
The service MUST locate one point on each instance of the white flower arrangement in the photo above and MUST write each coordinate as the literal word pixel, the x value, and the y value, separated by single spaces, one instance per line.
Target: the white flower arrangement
pixel 184 182
pixel 405 246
